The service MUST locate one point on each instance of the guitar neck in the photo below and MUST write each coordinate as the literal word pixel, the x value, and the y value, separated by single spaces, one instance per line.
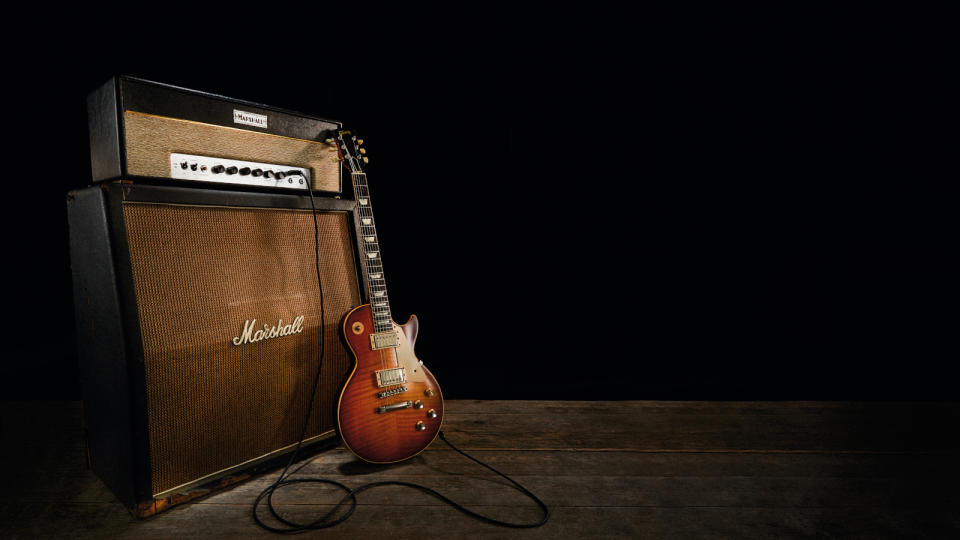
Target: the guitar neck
pixel 372 263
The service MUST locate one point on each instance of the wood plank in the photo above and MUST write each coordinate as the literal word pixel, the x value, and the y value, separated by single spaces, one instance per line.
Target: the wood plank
pixel 724 427
pixel 724 480
pixel 100 521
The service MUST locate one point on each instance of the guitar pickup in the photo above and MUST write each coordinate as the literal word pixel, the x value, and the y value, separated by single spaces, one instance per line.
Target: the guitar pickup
pixel 390 377
pixel 384 340
pixel 395 407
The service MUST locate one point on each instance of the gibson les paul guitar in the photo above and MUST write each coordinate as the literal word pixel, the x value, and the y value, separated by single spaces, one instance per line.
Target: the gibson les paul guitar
pixel 390 408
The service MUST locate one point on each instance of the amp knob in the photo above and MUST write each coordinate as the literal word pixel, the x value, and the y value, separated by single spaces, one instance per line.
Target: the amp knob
pixel 231 170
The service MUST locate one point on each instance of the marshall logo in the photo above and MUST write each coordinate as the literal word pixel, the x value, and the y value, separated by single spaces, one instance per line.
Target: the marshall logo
pixel 250 335
pixel 249 118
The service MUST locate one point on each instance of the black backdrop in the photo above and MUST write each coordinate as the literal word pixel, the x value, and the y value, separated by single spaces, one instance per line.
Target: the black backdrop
pixel 731 205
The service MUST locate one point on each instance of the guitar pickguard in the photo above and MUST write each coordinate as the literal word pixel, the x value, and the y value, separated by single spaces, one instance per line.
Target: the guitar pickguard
pixel 406 360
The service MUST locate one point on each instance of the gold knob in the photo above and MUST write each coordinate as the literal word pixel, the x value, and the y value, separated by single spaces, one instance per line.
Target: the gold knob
pixel 431 413
pixel 421 426
pixel 418 404
pixel 366 159
pixel 359 141
pixel 428 392
pixel 363 150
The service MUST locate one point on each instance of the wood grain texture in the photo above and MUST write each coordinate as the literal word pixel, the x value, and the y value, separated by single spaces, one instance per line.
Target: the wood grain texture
pixel 855 471
pixel 151 139
pixel 391 436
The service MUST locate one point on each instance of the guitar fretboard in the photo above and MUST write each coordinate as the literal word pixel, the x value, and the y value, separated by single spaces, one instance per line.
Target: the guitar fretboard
pixel 372 263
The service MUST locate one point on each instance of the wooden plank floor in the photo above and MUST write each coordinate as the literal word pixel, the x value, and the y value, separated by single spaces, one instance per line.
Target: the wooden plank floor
pixel 636 469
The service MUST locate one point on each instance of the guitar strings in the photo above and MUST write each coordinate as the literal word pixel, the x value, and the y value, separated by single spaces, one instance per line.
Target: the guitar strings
pixel 366 212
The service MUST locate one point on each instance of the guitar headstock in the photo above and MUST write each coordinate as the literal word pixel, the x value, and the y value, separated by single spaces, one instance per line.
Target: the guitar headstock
pixel 351 151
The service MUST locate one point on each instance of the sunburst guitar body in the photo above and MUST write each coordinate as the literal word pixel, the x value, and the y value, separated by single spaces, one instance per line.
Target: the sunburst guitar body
pixel 390 408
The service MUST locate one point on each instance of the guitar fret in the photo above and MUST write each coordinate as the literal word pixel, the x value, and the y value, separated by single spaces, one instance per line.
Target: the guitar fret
pixel 376 285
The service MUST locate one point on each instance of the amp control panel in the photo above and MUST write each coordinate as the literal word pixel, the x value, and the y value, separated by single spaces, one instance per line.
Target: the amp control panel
pixel 234 171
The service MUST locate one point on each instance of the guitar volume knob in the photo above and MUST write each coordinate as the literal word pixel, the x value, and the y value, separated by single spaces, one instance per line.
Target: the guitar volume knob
pixel 428 392
pixel 431 413
pixel 421 426
pixel 418 404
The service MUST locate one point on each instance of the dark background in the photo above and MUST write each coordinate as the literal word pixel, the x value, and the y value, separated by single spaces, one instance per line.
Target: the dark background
pixel 703 205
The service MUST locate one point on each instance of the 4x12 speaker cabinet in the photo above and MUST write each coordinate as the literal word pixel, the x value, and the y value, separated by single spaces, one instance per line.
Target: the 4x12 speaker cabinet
pixel 199 331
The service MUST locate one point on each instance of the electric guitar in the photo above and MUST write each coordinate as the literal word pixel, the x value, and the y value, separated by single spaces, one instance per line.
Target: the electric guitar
pixel 390 408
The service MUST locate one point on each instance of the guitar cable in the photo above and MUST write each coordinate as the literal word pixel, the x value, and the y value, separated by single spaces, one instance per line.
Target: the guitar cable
pixel 327 520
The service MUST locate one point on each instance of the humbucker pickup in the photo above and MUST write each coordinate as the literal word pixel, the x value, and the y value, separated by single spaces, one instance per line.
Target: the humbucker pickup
pixel 383 340
pixel 390 377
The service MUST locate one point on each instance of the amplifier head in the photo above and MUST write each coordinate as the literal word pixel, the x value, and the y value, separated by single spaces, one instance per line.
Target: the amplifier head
pixel 143 129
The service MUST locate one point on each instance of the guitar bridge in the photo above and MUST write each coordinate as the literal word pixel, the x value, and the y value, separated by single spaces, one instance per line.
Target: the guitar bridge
pixel 384 340
pixel 392 392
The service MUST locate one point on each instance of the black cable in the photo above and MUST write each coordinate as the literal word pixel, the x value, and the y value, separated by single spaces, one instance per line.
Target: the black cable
pixel 325 520
pixel 269 490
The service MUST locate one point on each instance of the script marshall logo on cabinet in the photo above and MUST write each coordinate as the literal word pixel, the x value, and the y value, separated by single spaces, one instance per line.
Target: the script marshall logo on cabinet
pixel 267 332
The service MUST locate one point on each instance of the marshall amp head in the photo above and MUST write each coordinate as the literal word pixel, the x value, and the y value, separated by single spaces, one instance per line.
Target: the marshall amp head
pixel 143 129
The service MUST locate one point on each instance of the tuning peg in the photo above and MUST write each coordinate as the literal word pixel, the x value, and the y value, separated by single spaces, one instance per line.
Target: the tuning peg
pixel 335 159
pixel 363 150
pixel 359 141
pixel 328 141
pixel 366 159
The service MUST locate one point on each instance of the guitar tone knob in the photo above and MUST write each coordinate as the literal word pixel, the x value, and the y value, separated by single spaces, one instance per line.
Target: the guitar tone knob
pixel 421 426
pixel 431 413
pixel 418 404
pixel 428 392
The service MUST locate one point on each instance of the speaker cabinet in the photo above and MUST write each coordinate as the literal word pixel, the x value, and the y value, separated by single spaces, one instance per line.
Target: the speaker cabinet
pixel 199 331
